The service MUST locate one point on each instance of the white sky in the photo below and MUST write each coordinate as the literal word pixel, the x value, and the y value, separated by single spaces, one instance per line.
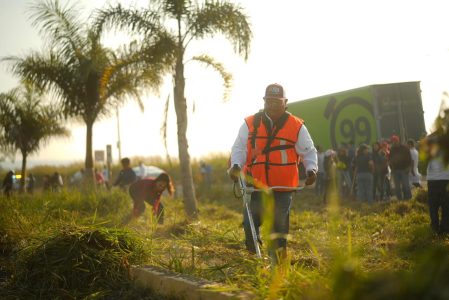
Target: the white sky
pixel 312 48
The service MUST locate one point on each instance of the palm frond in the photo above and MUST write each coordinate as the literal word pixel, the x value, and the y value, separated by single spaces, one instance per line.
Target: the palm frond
pixel 59 25
pixel 177 9
pixel 226 76
pixel 144 22
pixel 50 72
pixel 225 18
pixel 134 68
pixel 26 123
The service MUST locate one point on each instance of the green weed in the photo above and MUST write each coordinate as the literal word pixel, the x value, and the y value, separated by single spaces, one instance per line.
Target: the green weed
pixel 342 249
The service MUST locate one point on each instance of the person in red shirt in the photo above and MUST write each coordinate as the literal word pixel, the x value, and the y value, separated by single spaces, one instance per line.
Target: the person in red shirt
pixel 99 178
pixel 149 190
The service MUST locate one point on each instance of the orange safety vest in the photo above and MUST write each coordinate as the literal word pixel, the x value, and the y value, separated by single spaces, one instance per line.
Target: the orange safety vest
pixel 271 156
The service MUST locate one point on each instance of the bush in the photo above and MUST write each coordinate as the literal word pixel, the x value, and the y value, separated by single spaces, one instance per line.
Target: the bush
pixel 428 280
pixel 77 262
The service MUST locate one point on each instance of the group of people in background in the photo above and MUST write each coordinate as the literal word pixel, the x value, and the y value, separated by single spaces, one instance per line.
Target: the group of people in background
pixel 53 182
pixel 101 177
pixel 141 188
pixel 10 183
pixel 388 168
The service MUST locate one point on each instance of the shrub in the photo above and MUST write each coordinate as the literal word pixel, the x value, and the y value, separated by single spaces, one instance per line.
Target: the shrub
pixel 77 262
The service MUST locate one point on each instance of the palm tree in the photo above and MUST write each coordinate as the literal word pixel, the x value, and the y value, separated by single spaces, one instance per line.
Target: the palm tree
pixel 26 123
pixel 89 79
pixel 191 21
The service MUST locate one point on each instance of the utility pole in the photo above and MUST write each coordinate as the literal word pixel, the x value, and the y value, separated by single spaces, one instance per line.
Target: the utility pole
pixel 119 145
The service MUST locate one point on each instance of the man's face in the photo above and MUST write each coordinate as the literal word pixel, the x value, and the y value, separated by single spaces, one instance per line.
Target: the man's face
pixel 275 107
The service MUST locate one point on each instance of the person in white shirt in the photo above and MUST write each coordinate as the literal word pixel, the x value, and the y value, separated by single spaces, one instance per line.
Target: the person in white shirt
pixel 437 184
pixel 414 176
pixel 267 148
pixel 437 188
pixel 141 170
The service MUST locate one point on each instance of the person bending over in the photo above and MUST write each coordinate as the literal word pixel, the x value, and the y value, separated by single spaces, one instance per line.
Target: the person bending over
pixel 149 190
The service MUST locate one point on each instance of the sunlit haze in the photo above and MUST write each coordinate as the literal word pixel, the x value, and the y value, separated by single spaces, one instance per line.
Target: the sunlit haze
pixel 312 48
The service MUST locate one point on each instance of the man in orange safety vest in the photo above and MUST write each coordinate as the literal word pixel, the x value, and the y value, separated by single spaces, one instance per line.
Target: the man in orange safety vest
pixel 267 148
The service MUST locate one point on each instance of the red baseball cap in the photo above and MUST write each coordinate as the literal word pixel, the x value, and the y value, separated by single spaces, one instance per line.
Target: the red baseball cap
pixel 274 91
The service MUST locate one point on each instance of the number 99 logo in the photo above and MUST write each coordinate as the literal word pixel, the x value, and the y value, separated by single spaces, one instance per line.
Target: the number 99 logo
pixel 351 119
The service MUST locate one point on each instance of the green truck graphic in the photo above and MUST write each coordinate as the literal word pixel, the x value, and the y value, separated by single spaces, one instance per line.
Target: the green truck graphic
pixel 363 115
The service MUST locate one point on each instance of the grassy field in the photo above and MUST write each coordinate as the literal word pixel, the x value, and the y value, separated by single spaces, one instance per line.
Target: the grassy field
pixel 339 250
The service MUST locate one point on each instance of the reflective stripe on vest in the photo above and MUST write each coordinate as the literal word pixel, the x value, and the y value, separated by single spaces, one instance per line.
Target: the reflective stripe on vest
pixel 274 164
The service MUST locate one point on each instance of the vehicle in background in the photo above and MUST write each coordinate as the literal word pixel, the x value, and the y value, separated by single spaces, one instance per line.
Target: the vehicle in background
pixel 16 181
pixel 364 115
pixel 147 171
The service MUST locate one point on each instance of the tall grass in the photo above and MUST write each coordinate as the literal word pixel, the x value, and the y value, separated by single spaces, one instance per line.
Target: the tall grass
pixel 339 250
pixel 67 245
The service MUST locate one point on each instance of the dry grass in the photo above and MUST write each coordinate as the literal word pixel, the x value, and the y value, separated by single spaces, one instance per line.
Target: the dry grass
pixel 340 250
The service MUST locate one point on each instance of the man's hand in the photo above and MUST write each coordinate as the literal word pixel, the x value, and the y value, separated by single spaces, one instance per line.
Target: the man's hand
pixel 234 173
pixel 311 177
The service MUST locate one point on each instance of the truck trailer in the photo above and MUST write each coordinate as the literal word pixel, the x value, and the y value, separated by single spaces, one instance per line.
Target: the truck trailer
pixel 363 115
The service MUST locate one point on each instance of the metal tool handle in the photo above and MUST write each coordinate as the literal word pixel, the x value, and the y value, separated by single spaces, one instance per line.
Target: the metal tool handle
pixel 288 188
pixel 246 193
pixel 246 202
pixel 248 189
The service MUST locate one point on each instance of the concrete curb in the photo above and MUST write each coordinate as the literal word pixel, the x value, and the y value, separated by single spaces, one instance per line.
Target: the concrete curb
pixel 180 286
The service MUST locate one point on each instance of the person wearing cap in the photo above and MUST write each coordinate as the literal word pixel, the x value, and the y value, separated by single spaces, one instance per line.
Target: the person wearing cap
pixel 267 147
pixel 400 165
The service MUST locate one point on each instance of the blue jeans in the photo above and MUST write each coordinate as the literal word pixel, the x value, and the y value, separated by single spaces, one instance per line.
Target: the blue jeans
pixel 401 184
pixel 281 220
pixel 345 182
pixel 365 187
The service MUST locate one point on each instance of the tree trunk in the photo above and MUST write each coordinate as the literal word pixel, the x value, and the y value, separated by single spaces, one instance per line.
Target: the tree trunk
pixel 190 204
pixel 24 167
pixel 89 162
